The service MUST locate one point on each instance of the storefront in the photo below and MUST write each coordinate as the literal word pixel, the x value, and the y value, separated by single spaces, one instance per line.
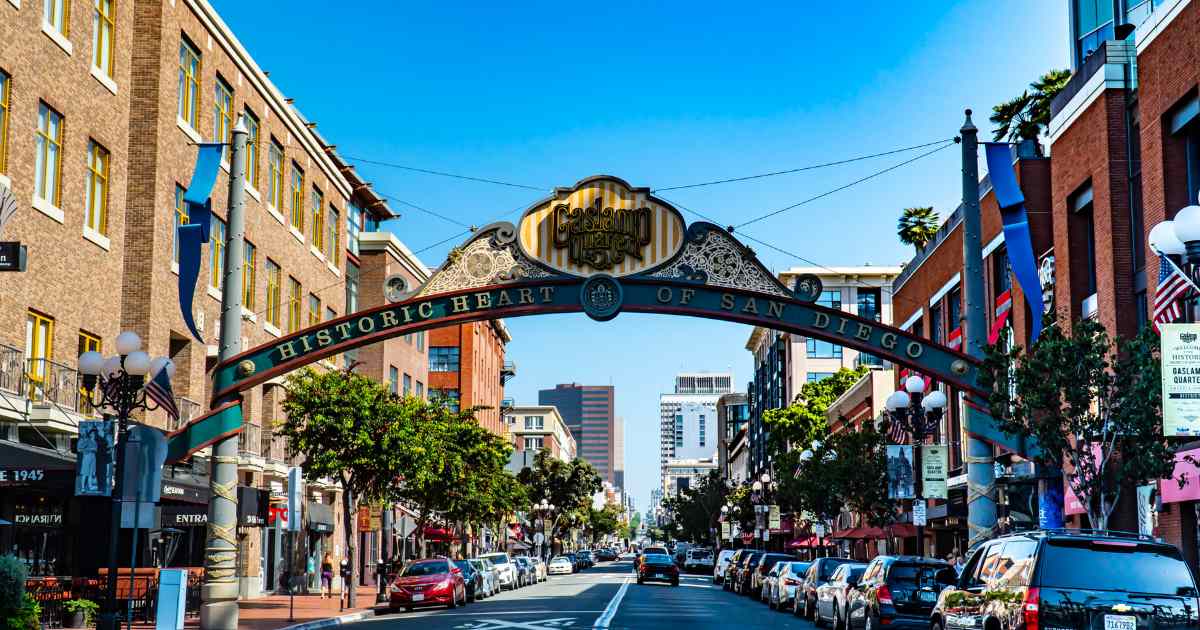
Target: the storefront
pixel 183 517
pixel 320 525
pixel 37 488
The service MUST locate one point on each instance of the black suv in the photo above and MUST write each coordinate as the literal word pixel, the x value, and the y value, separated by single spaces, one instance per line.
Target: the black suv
pixel 898 592
pixel 1071 580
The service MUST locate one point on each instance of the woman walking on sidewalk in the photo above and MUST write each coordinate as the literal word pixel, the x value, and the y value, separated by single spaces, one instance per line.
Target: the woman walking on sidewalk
pixel 327 576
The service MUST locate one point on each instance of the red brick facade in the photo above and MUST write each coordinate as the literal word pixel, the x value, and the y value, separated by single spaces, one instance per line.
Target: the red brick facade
pixel 481 360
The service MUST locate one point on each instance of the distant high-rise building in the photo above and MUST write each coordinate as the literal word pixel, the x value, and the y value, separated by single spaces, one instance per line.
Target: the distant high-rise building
pixel 619 454
pixel 688 428
pixel 588 411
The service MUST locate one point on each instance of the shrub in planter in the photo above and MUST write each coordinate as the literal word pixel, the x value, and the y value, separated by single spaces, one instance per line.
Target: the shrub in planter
pixel 81 611
pixel 25 617
pixel 12 583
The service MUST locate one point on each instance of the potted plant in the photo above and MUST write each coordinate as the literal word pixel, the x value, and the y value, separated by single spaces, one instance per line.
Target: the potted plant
pixel 80 613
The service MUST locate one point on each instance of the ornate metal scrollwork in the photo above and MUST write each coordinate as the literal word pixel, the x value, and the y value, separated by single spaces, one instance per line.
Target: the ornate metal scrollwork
pixel 490 257
pixel 712 256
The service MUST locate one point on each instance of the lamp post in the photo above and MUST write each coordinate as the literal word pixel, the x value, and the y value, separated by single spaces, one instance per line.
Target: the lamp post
pixel 919 413
pixel 544 510
pixel 1179 241
pixel 116 386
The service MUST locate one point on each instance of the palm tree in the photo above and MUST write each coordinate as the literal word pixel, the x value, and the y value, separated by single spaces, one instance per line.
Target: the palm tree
pixel 1024 117
pixel 917 226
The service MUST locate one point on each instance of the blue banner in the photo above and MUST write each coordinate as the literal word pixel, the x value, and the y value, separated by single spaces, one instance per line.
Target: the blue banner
pixel 1016 229
pixel 192 236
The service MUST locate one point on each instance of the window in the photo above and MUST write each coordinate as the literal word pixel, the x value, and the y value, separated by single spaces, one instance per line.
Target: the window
pixel 5 95
pixel 421 341
pixel 351 288
pixel 39 349
pixel 701 430
pixel 831 299
pixel 954 304
pixel 407 384
pixel 443 359
pixel 223 116
pixel 314 309
pixel 817 349
pixel 87 343
pixel 533 443
pixel 1016 563
pixel 249 276
pixel 868 304
pixel 332 223
pixel 297 197
pixel 535 423
pixel 449 398
pixel 189 83
pixel 252 128
pixel 217 253
pixel 275 186
pixel 181 218
pixel 57 15
pixel 47 168
pixel 813 377
pixel 274 277
pixel 935 323
pixel 393 379
pixel 104 25
pixel 294 297
pixel 420 389
pixel 317 231
pixel 96 195
pixel 353 228
pixel 1093 26
pixel 1001 280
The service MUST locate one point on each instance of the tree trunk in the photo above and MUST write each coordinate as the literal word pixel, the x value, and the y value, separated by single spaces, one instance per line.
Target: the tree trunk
pixel 349 511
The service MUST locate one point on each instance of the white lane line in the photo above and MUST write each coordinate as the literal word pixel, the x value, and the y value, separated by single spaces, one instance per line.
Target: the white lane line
pixel 611 610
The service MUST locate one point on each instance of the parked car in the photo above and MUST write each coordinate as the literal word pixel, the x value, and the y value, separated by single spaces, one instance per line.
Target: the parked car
pixel 540 565
pixel 729 574
pixel 818 573
pixel 606 555
pixel 658 567
pixel 722 563
pixel 434 582
pixel 506 571
pixel 759 574
pixel 789 576
pixel 586 558
pixel 832 596
pixel 901 592
pixel 741 584
pixel 768 584
pixel 487 570
pixel 642 554
pixel 698 560
pixel 526 573
pixel 560 565
pixel 472 578
pixel 576 564
pixel 1071 580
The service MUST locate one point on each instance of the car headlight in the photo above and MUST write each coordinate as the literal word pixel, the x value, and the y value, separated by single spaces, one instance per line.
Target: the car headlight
pixel 395 588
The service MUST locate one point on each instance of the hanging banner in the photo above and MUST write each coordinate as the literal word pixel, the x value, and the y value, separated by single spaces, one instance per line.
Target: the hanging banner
pixel 192 235
pixel 726 531
pixel 773 517
pixel 1180 358
pixel 295 496
pixel 934 463
pixel 1017 240
pixel 900 471
pixel 94 467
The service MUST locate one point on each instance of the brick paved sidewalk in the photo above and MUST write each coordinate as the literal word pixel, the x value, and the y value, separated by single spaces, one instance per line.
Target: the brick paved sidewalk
pixel 271 612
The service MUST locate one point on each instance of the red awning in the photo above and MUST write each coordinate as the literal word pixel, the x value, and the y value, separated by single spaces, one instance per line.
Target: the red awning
pixel 438 534
pixel 902 530
pixel 811 541
pixel 853 532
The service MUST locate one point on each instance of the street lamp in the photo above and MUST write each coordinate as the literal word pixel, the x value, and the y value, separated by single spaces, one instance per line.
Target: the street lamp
pixel 116 386
pixel 1179 241
pixel 919 413
pixel 544 509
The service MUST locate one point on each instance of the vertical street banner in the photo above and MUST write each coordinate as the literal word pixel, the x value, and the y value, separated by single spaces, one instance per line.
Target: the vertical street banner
pixel 900 471
pixel 726 531
pixel 773 517
pixel 1180 358
pixel 295 496
pixel 94 466
pixel 918 512
pixel 934 463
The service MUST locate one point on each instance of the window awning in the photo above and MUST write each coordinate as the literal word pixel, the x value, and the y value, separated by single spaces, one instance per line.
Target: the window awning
pixel 320 517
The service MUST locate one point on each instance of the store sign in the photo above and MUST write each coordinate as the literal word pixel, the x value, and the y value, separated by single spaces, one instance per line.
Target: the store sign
pixel 934 463
pixel 12 256
pixel 20 476
pixel 364 519
pixel 1180 358
pixel 53 519
pixel 252 506
pixel 726 531
pixel 185 516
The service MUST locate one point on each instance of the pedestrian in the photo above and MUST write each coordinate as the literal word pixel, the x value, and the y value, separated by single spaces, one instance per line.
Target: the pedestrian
pixel 327 576
pixel 958 562
pixel 310 572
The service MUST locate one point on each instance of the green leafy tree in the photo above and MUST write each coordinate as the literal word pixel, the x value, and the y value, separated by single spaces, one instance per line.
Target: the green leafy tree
pixel 1091 402
pixel 847 470
pixel 917 226
pixel 345 425
pixel 569 486
pixel 635 523
pixel 603 522
pixel 799 424
pixel 1024 117
pixel 697 510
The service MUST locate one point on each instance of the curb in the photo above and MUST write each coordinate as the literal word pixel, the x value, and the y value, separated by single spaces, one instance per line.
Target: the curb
pixel 333 621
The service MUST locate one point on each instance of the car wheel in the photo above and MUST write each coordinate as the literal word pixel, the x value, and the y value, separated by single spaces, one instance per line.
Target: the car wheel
pixel 393 610
pixel 796 606
pixel 453 600
pixel 808 610
pixel 818 621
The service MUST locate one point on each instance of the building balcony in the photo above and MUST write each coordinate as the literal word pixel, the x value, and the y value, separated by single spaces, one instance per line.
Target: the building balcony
pixel 507 372
pixel 250 440
pixel 868 360
pixel 274 448
pixel 12 370
pixel 506 405
pixel 53 383
pixel 188 410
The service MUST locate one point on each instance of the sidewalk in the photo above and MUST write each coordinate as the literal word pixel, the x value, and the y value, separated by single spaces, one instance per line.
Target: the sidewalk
pixel 271 612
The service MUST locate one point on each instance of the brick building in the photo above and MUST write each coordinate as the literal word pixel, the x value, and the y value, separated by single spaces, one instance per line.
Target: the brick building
pixel 589 412
pixel 100 106
pixel 538 427
pixel 467 368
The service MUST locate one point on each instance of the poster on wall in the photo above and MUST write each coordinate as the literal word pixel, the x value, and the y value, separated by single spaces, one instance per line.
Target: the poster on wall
pixel 900 471
pixel 94 466
pixel 933 471
pixel 1180 358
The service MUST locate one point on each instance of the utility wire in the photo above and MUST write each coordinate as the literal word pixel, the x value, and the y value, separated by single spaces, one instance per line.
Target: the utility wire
pixel 442 174
pixel 804 168
pixel 425 210
pixel 856 182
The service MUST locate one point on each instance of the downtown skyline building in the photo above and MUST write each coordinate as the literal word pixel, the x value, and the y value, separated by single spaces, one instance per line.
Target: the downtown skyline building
pixel 688 430
pixel 588 411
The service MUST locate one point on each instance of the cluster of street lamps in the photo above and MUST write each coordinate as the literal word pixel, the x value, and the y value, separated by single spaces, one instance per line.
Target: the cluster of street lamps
pixel 1180 237
pixel 544 510
pixel 920 414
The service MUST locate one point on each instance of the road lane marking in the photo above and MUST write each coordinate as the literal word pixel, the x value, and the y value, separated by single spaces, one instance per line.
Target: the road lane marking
pixel 611 610
pixel 496 624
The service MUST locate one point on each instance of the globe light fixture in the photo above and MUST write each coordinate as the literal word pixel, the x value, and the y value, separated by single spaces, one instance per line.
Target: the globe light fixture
pixel 898 400
pixel 137 363
pixel 935 400
pixel 1163 240
pixel 128 342
pixel 756 486
pixel 91 363
pixel 724 509
pixel 914 384
pixel 766 478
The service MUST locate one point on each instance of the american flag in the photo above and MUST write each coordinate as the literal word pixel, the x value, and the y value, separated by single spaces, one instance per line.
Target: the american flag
pixel 956 338
pixel 159 389
pixel 897 432
pixel 1172 286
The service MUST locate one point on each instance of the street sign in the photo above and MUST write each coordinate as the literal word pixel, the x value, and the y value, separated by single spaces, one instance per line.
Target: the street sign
pixel 819 530
pixel 12 256
pixel 1180 358
pixel 919 512
pixel 726 531
pixel 539 538
pixel 766 534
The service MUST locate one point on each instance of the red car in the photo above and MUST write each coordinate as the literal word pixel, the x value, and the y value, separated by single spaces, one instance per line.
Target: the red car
pixel 428 583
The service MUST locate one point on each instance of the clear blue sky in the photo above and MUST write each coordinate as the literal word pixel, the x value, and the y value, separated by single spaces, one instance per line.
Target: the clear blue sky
pixel 661 94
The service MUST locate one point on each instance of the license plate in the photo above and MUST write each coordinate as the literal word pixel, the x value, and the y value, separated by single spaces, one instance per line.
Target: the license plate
pixel 929 597
pixel 660 575
pixel 1120 622
pixel 417 597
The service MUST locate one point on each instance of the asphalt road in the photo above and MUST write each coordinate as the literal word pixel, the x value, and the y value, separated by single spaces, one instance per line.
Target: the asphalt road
pixel 605 596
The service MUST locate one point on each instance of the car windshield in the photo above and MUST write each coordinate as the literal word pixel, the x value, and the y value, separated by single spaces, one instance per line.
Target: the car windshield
pixel 856 572
pixel 420 569
pixel 561 559
pixel 1142 569
pixel 919 575
pixel 701 555
pixel 477 564
pixel 799 568
pixel 498 558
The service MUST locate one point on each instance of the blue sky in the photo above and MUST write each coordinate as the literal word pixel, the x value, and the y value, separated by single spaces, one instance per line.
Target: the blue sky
pixel 661 94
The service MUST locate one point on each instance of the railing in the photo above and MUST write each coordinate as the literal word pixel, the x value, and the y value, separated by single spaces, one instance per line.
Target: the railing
pixel 274 446
pixel 188 409
pixel 12 369
pixel 47 380
pixel 250 440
